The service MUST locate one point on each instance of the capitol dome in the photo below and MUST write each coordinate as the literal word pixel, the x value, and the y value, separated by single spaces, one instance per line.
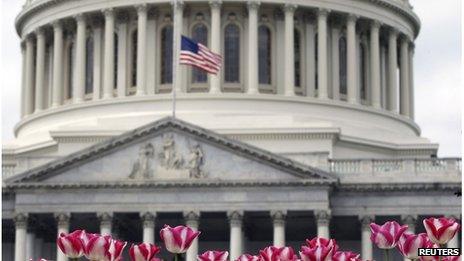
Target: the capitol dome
pixel 308 129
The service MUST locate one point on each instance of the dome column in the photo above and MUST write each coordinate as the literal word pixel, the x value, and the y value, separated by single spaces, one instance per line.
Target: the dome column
pixel 141 49
pixel 57 64
pixel 23 78
pixel 351 61
pixel 79 80
pixel 253 82
pixel 178 10
pixel 121 78
pixel 40 70
pixel 97 61
pixel 322 66
pixel 404 77
pixel 215 41
pixel 392 88
pixel 310 56
pixel 411 81
pixel 108 71
pixel 289 74
pixel 335 38
pixel 375 64
pixel 29 88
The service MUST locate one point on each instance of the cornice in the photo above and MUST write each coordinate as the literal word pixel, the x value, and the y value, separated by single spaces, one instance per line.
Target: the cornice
pixel 39 5
pixel 400 187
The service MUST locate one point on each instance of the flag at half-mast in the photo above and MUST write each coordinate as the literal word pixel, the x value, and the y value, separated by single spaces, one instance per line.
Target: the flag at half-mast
pixel 198 55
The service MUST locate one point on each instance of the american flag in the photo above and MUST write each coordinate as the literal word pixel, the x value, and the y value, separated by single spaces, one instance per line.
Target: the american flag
pixel 198 55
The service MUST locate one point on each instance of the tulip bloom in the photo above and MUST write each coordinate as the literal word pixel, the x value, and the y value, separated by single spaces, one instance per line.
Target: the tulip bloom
pixel 213 256
pixel 71 244
pixel 278 254
pixel 318 253
pixel 387 235
pixel 97 247
pixel 320 241
pixel 115 248
pixel 345 256
pixel 441 230
pixel 410 243
pixel 178 239
pixel 143 252
pixel 452 258
pixel 248 257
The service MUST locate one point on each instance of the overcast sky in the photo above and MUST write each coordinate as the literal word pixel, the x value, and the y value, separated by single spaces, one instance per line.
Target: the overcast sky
pixel 437 72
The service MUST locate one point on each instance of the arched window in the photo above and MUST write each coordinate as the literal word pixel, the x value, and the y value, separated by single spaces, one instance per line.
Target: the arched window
pixel 166 54
pixel 134 58
pixel 116 57
pixel 199 35
pixel 232 53
pixel 342 62
pixel 297 51
pixel 89 65
pixel 362 70
pixel 264 54
pixel 71 55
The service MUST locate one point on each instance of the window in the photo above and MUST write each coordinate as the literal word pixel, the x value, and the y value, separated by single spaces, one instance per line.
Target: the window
pixel 116 57
pixel 231 53
pixel 70 70
pixel 297 51
pixel 89 65
pixel 134 58
pixel 316 57
pixel 199 35
pixel 264 54
pixel 362 57
pixel 166 54
pixel 342 60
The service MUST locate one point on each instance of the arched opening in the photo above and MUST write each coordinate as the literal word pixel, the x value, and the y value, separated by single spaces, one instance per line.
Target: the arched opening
pixel 297 51
pixel 116 57
pixel 166 54
pixel 264 54
pixel 199 35
pixel 71 56
pixel 342 65
pixel 134 58
pixel 231 53
pixel 362 71
pixel 89 65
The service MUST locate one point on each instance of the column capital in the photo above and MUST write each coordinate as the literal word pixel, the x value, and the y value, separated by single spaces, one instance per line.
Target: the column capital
pixel 215 4
pixel 376 24
pixel 408 219
pixel 322 216
pixel 405 38
pixel 108 12
pixel 393 32
pixel 148 219
pixel 235 217
pixel 366 220
pixel 279 216
pixel 191 216
pixel 39 31
pixel 141 8
pixel 80 17
pixel 177 4
pixel 57 24
pixel 105 218
pixel 20 220
pixel 323 12
pixel 253 5
pixel 352 18
pixel 62 218
pixel 290 8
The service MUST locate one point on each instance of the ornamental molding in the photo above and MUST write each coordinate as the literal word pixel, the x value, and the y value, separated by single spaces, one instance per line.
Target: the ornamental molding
pixel 399 187
pixel 328 135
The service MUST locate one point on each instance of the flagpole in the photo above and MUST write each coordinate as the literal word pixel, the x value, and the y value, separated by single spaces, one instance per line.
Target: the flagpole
pixel 175 57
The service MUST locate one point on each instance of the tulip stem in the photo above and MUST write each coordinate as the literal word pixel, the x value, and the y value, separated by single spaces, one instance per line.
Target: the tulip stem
pixel 178 257
pixel 387 255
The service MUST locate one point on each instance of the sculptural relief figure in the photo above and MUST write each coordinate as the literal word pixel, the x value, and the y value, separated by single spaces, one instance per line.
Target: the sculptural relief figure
pixel 170 159
pixel 195 162
pixel 141 169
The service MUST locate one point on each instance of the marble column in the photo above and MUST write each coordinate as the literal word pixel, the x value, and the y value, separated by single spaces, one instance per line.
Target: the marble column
pixel 29 88
pixel 253 82
pixel 178 10
pixel 108 65
pixel 40 70
pixel 310 56
pixel 23 79
pixel 97 59
pixel 192 219
pixel 148 222
pixel 38 245
pixel 322 66
pixel 278 221
pixel 335 37
pixel 411 81
pixel 62 221
pixel 121 81
pixel 404 76
pixel 392 88
pixel 106 221
pixel 20 221
pixel 215 6
pixel 375 64
pixel 79 77
pixel 30 239
pixel 141 49
pixel 323 223
pixel 351 61
pixel 57 87
pixel 366 243
pixel 235 219
pixel 289 55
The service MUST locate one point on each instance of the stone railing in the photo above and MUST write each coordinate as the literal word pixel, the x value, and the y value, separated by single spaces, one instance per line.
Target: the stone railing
pixel 450 166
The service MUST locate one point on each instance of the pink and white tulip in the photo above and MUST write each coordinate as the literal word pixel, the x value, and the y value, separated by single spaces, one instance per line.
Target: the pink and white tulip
pixel 452 258
pixel 72 245
pixel 410 243
pixel 178 239
pixel 213 256
pixel 387 235
pixel 97 247
pixel 318 253
pixel 441 230
pixel 345 256
pixel 115 249
pixel 248 257
pixel 143 252
pixel 273 253
pixel 320 241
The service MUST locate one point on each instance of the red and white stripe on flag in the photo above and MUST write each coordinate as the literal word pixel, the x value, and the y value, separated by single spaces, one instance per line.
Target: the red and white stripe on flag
pixel 205 59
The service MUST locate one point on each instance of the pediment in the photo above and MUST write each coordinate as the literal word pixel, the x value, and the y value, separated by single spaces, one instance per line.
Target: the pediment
pixel 170 150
